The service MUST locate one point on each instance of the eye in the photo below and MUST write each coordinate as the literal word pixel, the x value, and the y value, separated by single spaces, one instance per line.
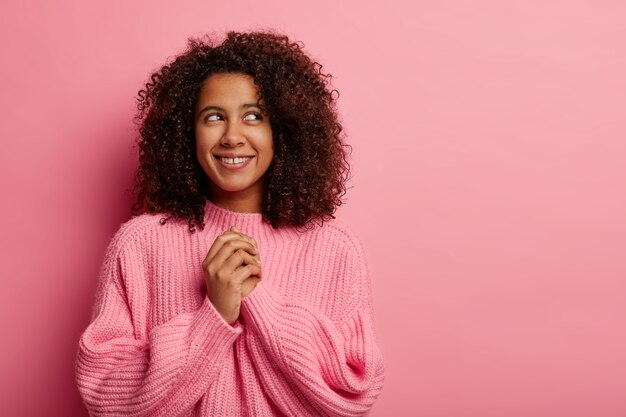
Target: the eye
pixel 212 117
pixel 256 116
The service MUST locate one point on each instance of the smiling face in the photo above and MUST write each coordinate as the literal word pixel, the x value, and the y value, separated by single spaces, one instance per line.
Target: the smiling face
pixel 234 143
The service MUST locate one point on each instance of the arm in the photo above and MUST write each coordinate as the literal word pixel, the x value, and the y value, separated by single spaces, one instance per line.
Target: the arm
pixel 321 367
pixel 123 368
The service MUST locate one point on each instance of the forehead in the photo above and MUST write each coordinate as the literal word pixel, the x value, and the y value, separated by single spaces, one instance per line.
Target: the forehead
pixel 229 87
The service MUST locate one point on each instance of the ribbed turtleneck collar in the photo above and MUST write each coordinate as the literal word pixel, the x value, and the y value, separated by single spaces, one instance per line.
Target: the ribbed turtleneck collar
pixel 224 218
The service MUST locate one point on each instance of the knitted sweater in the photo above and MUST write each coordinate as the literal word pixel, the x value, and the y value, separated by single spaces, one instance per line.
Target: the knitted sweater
pixel 304 343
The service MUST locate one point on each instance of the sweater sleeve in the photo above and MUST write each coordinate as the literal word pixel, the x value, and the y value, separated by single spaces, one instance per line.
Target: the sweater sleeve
pixel 124 368
pixel 326 367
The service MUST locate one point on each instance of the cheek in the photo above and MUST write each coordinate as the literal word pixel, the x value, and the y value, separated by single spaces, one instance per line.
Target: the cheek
pixel 268 150
pixel 269 141
pixel 203 152
pixel 269 158
pixel 200 145
pixel 203 141
pixel 200 149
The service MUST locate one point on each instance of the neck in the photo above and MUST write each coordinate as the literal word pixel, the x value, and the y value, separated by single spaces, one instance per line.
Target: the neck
pixel 242 202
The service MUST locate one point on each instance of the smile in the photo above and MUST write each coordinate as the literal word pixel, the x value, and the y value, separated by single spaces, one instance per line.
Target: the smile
pixel 235 160
pixel 233 163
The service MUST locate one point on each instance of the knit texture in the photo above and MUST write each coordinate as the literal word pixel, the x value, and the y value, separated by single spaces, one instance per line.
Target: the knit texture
pixel 303 345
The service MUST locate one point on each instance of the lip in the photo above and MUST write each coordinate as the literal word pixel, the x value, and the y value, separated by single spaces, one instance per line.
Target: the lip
pixel 232 167
pixel 232 155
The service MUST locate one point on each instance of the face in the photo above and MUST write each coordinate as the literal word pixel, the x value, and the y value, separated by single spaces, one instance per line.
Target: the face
pixel 233 136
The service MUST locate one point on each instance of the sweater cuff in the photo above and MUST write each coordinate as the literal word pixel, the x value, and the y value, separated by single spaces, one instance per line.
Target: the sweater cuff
pixel 210 333
pixel 261 308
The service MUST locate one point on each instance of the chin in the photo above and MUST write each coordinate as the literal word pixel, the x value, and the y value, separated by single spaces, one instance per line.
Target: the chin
pixel 232 187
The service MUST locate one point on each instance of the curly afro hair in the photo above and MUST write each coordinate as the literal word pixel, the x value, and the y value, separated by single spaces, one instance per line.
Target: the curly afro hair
pixel 306 179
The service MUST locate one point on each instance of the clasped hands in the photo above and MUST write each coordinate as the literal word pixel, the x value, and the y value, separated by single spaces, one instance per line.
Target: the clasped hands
pixel 232 269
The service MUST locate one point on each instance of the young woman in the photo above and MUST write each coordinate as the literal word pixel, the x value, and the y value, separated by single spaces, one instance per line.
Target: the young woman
pixel 234 290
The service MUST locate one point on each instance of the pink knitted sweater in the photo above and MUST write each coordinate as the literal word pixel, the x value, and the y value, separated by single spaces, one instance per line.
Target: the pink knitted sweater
pixel 304 343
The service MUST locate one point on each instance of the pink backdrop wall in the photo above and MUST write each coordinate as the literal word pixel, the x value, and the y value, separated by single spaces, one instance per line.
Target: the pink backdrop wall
pixel 489 187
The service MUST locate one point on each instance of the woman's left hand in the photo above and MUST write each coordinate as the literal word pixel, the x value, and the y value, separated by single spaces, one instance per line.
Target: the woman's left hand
pixel 249 284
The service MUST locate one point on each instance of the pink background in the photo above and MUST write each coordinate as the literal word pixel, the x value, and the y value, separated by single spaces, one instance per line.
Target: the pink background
pixel 489 187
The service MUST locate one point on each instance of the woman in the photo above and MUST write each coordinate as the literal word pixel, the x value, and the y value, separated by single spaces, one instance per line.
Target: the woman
pixel 248 298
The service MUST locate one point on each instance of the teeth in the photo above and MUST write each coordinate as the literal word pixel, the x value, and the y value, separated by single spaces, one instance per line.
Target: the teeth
pixel 234 161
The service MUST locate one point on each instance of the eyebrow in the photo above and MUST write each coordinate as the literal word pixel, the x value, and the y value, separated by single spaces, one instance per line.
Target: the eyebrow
pixel 243 106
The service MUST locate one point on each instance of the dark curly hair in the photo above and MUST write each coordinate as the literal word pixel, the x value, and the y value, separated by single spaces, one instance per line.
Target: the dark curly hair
pixel 306 178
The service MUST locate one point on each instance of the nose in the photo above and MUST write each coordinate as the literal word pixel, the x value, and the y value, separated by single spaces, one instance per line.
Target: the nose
pixel 233 134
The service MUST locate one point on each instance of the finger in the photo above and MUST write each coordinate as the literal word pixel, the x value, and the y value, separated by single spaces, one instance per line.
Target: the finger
pixel 245 236
pixel 250 239
pixel 219 243
pixel 239 258
pixel 246 271
pixel 215 247
pixel 234 230
pixel 248 285
pixel 228 249
pixel 252 280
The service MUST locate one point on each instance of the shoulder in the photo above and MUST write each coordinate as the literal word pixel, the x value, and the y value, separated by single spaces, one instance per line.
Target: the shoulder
pixel 341 237
pixel 133 233
pixel 346 251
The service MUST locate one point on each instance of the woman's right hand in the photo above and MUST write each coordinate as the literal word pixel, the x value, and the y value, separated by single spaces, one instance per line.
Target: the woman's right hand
pixel 230 262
